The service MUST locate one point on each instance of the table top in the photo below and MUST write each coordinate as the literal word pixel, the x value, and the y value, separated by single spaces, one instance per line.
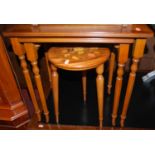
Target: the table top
pixel 79 30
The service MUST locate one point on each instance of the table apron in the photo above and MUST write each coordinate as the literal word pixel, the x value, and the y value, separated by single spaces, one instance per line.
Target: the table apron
pixel 76 40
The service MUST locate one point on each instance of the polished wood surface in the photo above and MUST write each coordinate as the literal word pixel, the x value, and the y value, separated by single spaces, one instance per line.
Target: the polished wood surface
pixel 77 59
pixel 13 111
pixel 114 34
pixel 100 92
pixel 20 52
pixel 84 85
pixel 48 68
pixel 55 86
pixel 122 58
pixel 32 56
pixel 79 30
pixel 137 54
pixel 111 71
pixel 75 40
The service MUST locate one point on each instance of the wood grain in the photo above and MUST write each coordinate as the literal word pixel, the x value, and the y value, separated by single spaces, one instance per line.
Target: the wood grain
pixel 77 59
pixel 20 52
pixel 100 92
pixel 55 85
pixel 122 58
pixel 84 85
pixel 137 54
pixel 79 30
pixel 65 33
pixel 13 110
pixel 32 56
pixel 48 68
pixel 111 71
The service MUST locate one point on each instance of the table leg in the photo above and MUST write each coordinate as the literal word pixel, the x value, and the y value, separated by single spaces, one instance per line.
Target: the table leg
pixel 111 71
pixel 137 54
pixel 84 85
pixel 32 56
pixel 20 52
pixel 100 92
pixel 55 85
pixel 48 69
pixel 122 58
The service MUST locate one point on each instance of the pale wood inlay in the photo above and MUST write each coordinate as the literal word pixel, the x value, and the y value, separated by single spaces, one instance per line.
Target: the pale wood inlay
pixel 77 59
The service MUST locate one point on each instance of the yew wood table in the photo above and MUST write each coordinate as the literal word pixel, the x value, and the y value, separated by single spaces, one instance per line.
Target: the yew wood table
pixel 125 35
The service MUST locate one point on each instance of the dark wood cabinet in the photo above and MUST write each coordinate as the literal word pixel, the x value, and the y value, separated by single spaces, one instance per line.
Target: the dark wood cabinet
pixel 13 111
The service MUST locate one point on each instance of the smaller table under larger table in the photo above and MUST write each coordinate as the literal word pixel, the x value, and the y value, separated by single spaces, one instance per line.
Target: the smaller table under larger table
pixel 124 35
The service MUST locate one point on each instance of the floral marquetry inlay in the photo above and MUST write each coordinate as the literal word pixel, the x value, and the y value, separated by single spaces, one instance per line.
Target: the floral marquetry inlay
pixel 77 56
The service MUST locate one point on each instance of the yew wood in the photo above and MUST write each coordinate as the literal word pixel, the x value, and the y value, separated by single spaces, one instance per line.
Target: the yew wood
pixel 84 85
pixel 79 59
pixel 111 71
pixel 76 40
pixel 79 33
pixel 100 92
pixel 55 86
pixel 20 52
pixel 122 58
pixel 48 68
pixel 32 56
pixel 79 30
pixel 137 54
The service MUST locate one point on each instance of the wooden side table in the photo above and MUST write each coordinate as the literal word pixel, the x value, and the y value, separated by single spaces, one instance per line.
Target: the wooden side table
pixel 124 35
pixel 79 59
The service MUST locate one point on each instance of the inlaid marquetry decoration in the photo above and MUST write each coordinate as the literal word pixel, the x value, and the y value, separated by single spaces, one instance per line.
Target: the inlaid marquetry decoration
pixel 77 58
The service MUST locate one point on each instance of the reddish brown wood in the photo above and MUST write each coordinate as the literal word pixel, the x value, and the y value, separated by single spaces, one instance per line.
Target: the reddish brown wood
pixel 137 54
pixel 122 58
pixel 13 112
pixel 32 56
pixel 111 71
pixel 77 30
pixel 77 59
pixel 100 92
pixel 76 40
pixel 20 52
pixel 122 34
pixel 84 85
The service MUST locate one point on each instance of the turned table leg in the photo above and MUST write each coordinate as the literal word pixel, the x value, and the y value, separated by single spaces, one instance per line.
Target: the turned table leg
pixel 122 58
pixel 137 54
pixel 48 69
pixel 100 92
pixel 111 71
pixel 55 85
pixel 32 56
pixel 20 52
pixel 84 85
